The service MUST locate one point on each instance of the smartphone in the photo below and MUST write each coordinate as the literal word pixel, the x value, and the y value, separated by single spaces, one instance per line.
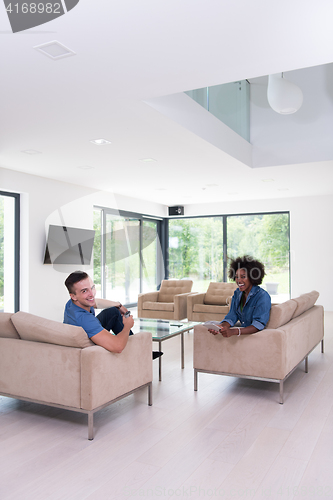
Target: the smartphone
pixel 127 314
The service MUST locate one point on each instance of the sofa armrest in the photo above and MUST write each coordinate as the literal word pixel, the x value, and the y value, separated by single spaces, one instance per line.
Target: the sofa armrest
pixel 180 305
pixel 150 296
pixel 143 297
pixel 193 298
pixel 106 376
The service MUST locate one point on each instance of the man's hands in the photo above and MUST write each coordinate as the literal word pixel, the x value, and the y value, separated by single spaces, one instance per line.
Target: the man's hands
pixel 123 310
pixel 128 322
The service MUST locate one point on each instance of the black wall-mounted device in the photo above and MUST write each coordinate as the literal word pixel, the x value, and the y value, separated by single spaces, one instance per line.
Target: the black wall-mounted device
pixel 176 210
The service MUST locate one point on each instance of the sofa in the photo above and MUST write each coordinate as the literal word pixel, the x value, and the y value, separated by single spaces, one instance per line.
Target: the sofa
pixel 212 305
pixel 47 362
pixel 294 329
pixel 170 302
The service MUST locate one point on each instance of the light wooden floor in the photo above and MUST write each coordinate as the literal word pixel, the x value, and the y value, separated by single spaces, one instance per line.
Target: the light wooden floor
pixel 230 440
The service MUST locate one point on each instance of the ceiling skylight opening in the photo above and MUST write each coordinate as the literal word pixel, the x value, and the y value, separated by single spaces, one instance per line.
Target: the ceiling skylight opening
pixel 100 142
pixel 55 50
pixel 147 160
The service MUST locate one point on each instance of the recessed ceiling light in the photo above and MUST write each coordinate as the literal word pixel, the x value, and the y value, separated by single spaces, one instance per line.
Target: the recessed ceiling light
pixel 267 180
pixel 100 142
pixel 85 167
pixel 147 160
pixel 55 50
pixel 31 152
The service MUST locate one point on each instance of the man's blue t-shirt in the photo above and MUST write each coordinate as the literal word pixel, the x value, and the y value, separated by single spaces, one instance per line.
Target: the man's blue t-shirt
pixel 75 315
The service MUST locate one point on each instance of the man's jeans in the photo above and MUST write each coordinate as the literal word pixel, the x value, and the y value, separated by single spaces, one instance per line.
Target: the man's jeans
pixel 112 320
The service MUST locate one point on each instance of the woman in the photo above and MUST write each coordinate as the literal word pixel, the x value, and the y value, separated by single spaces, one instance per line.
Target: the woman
pixel 250 305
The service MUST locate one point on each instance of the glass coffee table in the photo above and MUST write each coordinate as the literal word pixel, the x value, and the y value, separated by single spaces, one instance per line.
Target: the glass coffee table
pixel 162 329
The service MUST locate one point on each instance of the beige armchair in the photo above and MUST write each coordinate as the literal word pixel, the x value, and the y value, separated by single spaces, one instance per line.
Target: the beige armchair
pixel 170 302
pixel 212 305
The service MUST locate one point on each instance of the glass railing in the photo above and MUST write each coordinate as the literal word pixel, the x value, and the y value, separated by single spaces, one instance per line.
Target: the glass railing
pixel 230 103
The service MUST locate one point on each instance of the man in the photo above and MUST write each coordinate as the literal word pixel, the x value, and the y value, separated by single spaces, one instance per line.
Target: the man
pixel 80 311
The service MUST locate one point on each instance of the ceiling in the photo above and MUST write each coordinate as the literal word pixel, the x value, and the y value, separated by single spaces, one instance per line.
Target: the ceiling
pixel 130 52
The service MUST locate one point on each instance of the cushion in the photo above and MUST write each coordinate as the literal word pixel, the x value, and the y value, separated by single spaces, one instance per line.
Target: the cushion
pixel 158 306
pixel 7 329
pixel 37 329
pixel 281 314
pixel 170 288
pixel 305 302
pixel 209 308
pixel 216 299
pixel 218 293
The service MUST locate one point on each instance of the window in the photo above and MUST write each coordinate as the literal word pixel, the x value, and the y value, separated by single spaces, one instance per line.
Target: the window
pixel 265 237
pixel 127 255
pixel 196 250
pixel 9 252
pixel 200 248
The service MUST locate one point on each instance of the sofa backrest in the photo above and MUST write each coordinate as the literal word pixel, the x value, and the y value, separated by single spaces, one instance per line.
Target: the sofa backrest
pixel 170 288
pixel 305 302
pixel 7 329
pixel 37 329
pixel 218 293
pixel 283 313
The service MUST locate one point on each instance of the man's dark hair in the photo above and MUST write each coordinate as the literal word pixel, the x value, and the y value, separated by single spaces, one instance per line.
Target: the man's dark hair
pixel 255 269
pixel 75 278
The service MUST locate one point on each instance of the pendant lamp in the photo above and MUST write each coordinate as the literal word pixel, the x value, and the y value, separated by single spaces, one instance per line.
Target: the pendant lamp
pixel 283 96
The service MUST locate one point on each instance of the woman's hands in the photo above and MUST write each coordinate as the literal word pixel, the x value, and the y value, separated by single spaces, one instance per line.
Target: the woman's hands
pixel 225 330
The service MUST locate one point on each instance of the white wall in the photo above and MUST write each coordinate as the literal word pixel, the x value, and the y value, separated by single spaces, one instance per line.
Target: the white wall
pixel 44 202
pixel 311 240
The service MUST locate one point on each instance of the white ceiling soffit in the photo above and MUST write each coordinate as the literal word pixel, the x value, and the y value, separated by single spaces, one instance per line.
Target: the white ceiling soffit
pixel 129 52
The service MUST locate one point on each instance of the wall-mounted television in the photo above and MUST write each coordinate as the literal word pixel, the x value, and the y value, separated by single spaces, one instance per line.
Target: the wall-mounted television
pixel 69 245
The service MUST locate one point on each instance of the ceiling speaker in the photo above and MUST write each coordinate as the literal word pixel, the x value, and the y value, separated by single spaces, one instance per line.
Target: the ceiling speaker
pixel 176 210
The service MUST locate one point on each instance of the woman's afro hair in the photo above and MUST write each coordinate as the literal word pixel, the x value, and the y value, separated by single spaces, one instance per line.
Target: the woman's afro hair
pixel 255 269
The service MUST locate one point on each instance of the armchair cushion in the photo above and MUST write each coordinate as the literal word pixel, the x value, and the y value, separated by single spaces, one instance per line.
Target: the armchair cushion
pixel 158 306
pixel 218 293
pixel 214 299
pixel 205 308
pixel 170 288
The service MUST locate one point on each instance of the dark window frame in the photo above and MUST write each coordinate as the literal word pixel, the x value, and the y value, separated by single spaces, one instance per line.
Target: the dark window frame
pixel 17 236
pixel 161 222
pixel 225 243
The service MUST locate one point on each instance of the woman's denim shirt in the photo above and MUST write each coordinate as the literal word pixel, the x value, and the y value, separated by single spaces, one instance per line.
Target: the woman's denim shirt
pixel 255 311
